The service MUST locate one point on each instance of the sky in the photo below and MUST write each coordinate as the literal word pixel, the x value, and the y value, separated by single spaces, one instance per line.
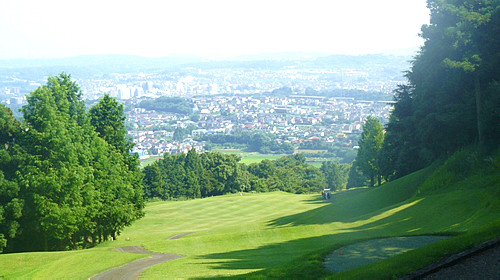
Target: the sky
pixel 208 28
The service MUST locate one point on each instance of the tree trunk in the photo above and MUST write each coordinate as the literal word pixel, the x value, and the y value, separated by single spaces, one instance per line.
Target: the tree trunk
pixel 372 181
pixel 45 243
pixel 477 91
pixel 379 179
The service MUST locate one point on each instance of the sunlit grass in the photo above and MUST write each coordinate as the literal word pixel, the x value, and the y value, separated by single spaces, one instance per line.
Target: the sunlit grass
pixel 256 158
pixel 62 265
pixel 281 235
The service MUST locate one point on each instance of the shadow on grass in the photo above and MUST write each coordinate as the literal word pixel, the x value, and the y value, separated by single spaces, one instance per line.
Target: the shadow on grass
pixel 388 211
pixel 303 258
pixel 350 206
pixel 366 252
pixel 348 210
pixel 281 260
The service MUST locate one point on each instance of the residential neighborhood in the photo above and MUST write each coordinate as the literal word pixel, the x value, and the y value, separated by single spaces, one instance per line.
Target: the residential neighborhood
pixel 292 119
pixel 293 101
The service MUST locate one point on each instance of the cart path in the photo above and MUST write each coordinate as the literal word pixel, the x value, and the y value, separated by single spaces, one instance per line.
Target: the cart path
pixel 133 270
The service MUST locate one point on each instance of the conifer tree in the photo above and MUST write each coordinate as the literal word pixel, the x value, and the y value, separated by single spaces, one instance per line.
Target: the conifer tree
pixel 370 144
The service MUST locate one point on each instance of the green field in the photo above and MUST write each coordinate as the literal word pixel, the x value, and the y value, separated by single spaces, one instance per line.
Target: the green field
pixel 281 235
pixel 256 158
pixel 248 157
pixel 150 160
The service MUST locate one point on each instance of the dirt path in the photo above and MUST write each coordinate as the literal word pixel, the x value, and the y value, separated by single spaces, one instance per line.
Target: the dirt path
pixel 134 269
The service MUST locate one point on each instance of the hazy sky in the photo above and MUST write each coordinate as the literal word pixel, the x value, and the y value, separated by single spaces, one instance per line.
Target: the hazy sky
pixel 214 28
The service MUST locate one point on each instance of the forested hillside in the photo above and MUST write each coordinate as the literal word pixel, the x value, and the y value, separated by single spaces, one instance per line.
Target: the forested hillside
pixel 67 178
pixel 452 98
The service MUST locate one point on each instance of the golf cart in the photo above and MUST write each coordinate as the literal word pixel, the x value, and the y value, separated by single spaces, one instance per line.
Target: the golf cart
pixel 326 194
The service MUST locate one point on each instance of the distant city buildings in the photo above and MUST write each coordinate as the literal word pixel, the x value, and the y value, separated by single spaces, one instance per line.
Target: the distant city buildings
pixel 231 98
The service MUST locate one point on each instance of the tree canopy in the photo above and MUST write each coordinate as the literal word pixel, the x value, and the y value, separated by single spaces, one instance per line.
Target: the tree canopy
pixel 167 104
pixel 370 145
pixel 451 99
pixel 108 119
pixel 194 175
pixel 62 186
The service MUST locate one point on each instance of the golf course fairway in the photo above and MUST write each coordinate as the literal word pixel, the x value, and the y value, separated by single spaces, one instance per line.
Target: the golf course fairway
pixel 282 235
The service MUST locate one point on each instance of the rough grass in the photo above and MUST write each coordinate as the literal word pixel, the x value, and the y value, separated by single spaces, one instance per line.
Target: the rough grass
pixel 62 265
pixel 256 158
pixel 150 160
pixel 280 235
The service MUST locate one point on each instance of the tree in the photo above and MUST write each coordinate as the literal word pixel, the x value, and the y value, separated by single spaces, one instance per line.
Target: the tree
pixel 466 35
pixel 167 104
pixel 108 118
pixel 355 179
pixel 55 167
pixel 10 205
pixel 335 174
pixel 61 185
pixel 459 57
pixel 451 99
pixel 9 126
pixel 400 151
pixel 194 169
pixel 370 144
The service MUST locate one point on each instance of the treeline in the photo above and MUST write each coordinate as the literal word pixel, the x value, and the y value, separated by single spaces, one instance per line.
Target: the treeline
pixel 329 150
pixel 67 178
pixel 332 93
pixel 351 93
pixel 451 99
pixel 167 104
pixel 194 175
pixel 254 142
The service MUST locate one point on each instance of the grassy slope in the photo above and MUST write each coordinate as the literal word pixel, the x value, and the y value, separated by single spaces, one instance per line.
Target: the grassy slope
pixel 285 236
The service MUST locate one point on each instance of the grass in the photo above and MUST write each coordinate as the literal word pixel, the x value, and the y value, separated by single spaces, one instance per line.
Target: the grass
pixel 62 265
pixel 311 151
pixel 315 163
pixel 281 235
pixel 256 158
pixel 248 157
pixel 230 151
pixel 150 160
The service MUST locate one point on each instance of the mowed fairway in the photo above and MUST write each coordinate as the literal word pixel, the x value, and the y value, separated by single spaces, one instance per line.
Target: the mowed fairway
pixel 218 225
pixel 283 235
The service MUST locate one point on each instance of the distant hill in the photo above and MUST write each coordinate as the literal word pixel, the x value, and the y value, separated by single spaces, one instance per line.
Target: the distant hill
pixel 92 65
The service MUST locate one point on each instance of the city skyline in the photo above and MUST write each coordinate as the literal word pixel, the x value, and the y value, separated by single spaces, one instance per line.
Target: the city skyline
pixel 213 29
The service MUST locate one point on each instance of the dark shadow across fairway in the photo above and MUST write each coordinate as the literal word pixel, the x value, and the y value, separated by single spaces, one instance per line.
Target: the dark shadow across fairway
pixel 306 265
pixel 350 206
pixel 267 257
pixel 404 220
pixel 369 251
